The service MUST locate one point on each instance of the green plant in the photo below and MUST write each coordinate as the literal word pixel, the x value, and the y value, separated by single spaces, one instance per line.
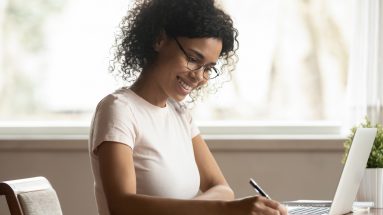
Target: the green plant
pixel 376 156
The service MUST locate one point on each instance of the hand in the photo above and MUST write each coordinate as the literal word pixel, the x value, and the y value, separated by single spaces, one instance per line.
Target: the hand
pixel 256 205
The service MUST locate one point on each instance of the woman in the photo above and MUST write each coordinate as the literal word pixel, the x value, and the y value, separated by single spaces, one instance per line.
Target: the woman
pixel 147 154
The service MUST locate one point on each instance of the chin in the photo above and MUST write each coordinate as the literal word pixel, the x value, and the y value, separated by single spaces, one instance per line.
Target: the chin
pixel 178 98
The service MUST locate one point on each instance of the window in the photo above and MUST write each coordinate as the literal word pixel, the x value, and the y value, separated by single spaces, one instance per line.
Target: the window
pixel 54 58
pixel 292 62
pixel 292 66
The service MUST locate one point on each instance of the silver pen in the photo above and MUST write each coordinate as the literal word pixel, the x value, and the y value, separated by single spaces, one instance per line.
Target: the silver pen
pixel 258 188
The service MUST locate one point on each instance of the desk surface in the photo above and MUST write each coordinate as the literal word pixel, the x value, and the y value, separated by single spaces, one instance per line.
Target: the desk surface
pixel 372 211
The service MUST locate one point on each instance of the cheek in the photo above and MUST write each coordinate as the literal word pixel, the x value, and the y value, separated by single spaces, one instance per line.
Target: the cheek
pixel 166 58
pixel 202 84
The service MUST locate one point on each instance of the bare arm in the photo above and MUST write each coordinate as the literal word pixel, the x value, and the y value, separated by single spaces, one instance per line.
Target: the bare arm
pixel 214 186
pixel 213 183
pixel 119 183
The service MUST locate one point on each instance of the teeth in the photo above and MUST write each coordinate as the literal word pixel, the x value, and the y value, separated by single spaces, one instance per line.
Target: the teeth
pixel 184 85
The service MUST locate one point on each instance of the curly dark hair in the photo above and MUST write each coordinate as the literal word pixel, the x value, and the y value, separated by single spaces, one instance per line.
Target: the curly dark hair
pixel 133 48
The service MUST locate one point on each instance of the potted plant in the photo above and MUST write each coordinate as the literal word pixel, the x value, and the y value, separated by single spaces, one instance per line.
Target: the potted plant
pixel 371 187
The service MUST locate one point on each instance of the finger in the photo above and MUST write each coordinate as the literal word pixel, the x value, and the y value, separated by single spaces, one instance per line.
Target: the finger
pixel 282 208
pixel 277 206
pixel 272 203
pixel 261 208
pixel 270 211
pixel 268 206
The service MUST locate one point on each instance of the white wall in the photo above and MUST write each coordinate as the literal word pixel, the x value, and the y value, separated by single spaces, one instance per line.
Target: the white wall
pixel 286 169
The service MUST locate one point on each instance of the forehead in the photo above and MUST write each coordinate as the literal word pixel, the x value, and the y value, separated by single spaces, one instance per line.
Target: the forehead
pixel 210 48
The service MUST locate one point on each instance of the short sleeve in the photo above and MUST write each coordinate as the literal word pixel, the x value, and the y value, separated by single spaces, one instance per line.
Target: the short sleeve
pixel 112 121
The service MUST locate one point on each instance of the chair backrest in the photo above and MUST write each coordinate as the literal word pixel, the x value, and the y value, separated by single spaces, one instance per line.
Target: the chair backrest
pixel 30 196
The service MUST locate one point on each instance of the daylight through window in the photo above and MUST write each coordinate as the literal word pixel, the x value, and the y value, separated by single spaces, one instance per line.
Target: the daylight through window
pixel 292 65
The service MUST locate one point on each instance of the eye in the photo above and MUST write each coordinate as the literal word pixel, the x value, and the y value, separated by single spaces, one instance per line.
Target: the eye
pixel 193 59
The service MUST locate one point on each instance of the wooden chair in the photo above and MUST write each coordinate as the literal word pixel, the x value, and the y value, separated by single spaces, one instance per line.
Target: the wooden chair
pixel 31 196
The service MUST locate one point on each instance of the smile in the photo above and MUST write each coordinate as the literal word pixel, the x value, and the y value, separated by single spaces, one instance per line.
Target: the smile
pixel 184 85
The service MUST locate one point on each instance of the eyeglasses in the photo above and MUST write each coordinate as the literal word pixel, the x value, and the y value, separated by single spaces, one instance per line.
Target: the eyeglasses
pixel 209 72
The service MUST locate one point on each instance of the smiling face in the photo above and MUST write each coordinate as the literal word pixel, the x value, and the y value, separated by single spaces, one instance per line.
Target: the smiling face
pixel 168 76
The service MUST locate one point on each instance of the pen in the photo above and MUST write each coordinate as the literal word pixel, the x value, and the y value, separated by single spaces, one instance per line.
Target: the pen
pixel 258 188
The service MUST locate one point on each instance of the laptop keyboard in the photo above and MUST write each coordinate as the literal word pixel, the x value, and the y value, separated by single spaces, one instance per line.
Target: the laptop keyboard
pixel 310 210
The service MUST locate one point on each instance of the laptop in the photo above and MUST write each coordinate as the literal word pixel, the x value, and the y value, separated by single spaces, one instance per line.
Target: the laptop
pixel 350 179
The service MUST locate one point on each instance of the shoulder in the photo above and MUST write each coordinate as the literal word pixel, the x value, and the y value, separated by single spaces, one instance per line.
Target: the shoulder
pixel 121 98
pixel 119 102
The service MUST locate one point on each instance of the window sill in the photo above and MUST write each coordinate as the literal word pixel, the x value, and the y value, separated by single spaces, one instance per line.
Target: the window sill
pixel 221 144
pixel 220 136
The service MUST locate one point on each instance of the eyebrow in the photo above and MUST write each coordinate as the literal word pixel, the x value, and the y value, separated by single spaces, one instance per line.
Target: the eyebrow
pixel 201 57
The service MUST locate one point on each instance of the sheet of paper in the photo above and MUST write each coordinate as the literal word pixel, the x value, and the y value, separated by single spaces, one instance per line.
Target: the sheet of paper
pixel 323 203
pixel 308 203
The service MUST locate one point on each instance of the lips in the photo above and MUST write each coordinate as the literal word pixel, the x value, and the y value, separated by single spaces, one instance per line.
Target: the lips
pixel 184 86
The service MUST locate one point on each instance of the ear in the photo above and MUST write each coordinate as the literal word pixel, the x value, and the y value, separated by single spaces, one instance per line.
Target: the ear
pixel 160 41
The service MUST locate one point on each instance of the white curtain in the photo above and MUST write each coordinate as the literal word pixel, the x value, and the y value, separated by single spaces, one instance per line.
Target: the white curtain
pixel 365 78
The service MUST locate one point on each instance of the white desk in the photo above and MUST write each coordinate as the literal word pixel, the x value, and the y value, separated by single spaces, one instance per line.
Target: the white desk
pixel 372 211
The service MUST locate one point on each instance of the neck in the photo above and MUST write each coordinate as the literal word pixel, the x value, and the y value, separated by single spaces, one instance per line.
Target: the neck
pixel 149 90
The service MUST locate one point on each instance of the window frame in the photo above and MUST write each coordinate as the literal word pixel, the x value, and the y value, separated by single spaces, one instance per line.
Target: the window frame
pixel 226 130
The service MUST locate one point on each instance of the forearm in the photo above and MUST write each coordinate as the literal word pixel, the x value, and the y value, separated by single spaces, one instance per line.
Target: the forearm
pixel 219 192
pixel 141 204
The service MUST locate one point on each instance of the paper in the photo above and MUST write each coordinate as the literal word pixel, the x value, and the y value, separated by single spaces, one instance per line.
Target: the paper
pixel 323 203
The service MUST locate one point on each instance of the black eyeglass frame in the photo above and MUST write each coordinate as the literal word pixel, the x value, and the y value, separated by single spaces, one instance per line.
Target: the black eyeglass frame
pixel 212 72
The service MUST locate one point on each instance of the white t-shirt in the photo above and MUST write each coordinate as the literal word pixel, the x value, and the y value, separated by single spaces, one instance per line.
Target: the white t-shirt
pixel 161 139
